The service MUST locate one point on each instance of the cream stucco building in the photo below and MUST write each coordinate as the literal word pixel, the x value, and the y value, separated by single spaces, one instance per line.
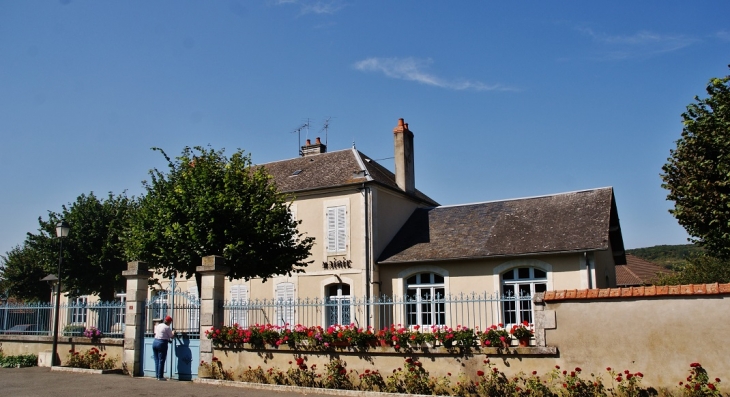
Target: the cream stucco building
pixel 376 234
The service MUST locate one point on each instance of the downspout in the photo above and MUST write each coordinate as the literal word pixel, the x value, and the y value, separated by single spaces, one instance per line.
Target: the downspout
pixel 588 269
pixel 368 267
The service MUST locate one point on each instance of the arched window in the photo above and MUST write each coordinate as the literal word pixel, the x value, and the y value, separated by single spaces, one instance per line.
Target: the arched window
pixel 518 286
pixel 337 304
pixel 425 300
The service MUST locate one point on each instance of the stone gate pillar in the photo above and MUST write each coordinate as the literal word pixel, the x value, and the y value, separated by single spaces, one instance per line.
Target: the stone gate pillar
pixel 137 275
pixel 211 294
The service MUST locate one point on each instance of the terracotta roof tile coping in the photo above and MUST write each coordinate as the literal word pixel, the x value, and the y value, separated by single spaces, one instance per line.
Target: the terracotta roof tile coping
pixel 653 290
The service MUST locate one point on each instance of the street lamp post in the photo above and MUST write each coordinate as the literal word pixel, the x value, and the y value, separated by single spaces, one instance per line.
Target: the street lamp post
pixel 62 230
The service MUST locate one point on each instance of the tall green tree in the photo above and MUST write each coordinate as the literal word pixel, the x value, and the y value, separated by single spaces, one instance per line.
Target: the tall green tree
pixel 21 270
pixel 697 173
pixel 702 269
pixel 210 204
pixel 93 252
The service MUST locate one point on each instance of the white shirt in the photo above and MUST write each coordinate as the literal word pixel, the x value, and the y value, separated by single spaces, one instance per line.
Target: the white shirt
pixel 163 331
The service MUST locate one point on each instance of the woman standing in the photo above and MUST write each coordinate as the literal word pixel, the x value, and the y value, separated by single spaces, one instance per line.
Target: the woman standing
pixel 163 336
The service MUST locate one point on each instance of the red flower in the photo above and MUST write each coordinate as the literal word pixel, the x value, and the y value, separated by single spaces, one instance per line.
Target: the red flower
pixel 717 380
pixel 557 367
pixel 534 372
pixel 608 369
pixel 711 386
pixel 577 369
pixel 480 373
pixel 695 365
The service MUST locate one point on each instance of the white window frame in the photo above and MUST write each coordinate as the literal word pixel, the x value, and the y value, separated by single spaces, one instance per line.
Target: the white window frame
pixel 336 221
pixel 340 303
pixel 527 286
pixel 79 312
pixel 421 300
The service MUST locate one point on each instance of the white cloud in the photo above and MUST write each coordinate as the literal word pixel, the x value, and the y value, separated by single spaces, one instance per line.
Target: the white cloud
pixel 315 7
pixel 723 35
pixel 412 69
pixel 640 44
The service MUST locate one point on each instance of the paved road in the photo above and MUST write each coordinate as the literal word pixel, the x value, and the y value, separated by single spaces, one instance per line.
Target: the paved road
pixel 37 381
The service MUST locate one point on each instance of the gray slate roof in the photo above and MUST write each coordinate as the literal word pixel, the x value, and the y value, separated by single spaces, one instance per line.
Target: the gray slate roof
pixel 333 169
pixel 568 222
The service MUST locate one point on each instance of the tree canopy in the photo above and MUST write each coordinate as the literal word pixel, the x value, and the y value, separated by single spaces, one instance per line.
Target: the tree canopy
pixel 697 173
pixel 93 252
pixel 21 271
pixel 210 204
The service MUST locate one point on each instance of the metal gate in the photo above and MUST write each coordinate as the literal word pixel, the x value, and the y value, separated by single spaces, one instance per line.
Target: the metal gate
pixel 183 355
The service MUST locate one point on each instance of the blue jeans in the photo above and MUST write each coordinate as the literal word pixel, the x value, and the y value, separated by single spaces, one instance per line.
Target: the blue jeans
pixel 159 350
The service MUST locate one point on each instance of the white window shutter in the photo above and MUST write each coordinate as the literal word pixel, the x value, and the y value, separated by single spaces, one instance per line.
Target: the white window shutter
pixel 341 229
pixel 331 229
pixel 285 304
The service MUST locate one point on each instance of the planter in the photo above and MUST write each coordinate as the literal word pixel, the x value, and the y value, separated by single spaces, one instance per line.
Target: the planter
pixel 524 342
pixel 340 344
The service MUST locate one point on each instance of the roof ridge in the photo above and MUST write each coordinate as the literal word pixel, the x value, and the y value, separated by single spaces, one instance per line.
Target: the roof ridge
pixel 527 198
pixel 298 157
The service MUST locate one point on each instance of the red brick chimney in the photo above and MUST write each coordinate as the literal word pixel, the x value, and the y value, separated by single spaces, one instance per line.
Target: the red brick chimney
pixel 405 175
pixel 313 150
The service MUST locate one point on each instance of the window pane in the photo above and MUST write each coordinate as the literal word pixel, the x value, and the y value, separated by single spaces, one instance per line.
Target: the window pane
pixel 540 287
pixel 346 290
pixel 523 272
pixel 411 280
pixel 510 275
pixel 438 279
pixel 540 273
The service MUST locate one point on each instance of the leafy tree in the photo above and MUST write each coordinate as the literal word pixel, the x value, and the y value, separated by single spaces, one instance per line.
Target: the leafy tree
pixel 209 204
pixel 670 256
pixel 21 271
pixel 697 173
pixel 702 269
pixel 93 252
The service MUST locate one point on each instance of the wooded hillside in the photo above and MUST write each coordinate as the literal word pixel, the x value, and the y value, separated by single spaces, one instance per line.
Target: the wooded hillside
pixel 669 256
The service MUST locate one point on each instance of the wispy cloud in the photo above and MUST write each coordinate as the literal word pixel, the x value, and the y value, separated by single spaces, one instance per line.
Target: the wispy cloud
pixel 639 44
pixel 723 35
pixel 315 7
pixel 412 69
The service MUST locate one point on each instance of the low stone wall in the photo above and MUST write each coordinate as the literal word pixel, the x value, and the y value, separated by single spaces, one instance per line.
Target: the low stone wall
pixel 437 361
pixel 658 331
pixel 13 345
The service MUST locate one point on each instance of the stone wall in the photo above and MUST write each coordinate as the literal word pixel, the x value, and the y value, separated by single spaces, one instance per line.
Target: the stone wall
pixel 658 331
pixel 28 344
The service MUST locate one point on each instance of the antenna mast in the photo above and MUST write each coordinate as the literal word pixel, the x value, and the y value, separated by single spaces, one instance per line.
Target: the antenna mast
pixel 326 127
pixel 298 130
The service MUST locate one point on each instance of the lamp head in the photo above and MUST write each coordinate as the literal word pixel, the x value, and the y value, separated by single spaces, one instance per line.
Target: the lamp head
pixel 62 229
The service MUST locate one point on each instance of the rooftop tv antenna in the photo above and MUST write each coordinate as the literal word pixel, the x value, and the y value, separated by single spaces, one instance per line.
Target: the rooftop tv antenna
pixel 298 130
pixel 325 128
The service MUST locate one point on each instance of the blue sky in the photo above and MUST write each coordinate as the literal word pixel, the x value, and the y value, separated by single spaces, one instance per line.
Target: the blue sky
pixel 505 99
